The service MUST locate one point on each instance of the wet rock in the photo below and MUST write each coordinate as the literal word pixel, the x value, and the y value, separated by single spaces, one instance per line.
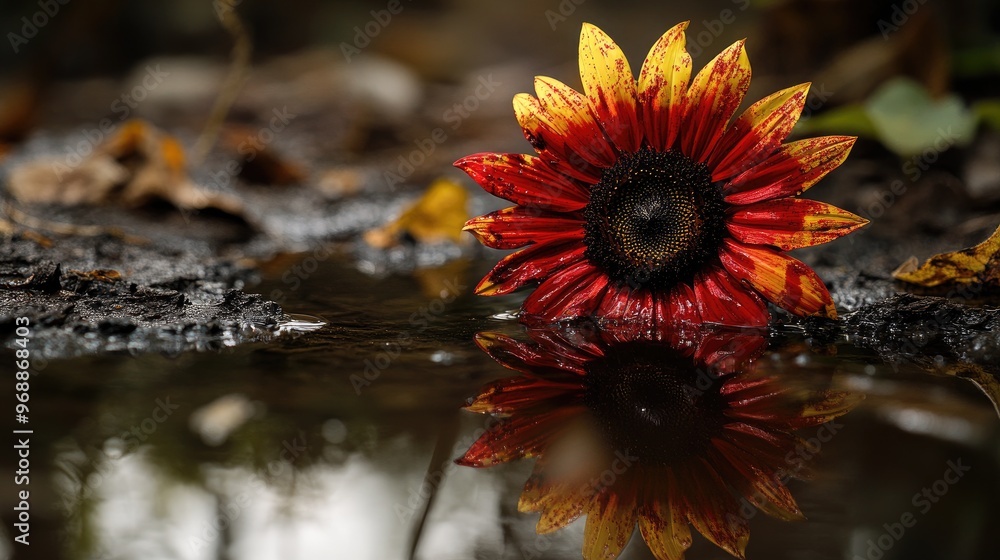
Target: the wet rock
pixel 171 304
pixel 928 330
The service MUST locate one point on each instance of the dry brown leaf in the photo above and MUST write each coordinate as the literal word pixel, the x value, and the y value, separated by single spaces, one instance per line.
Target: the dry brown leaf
pixel 108 275
pixel 438 216
pixel 987 381
pixel 975 265
pixel 138 165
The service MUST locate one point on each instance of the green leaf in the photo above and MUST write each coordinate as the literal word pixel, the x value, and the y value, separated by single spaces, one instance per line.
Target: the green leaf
pixel 988 110
pixel 908 121
pixel 849 119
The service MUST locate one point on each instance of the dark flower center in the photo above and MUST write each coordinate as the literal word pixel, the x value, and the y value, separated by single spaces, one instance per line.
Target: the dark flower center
pixel 655 218
pixel 653 403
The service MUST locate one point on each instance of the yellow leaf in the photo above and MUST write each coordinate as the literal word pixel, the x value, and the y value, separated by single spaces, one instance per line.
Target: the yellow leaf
pixel 975 265
pixel 439 215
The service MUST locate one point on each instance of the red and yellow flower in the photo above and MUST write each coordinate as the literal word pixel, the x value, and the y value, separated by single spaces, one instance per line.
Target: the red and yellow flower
pixel 648 202
pixel 636 432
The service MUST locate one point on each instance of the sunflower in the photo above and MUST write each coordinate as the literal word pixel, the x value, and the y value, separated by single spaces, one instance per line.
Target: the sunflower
pixel 646 202
pixel 636 432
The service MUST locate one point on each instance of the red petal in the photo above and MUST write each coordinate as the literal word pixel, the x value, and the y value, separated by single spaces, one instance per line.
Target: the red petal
pixel 526 358
pixel 683 305
pixel 789 171
pixel 525 180
pixel 791 223
pixel 715 94
pixel 782 280
pixel 562 130
pixel 515 394
pixel 532 263
pixel 713 510
pixel 516 437
pixel 570 293
pixel 758 132
pixel 722 300
pixel 517 226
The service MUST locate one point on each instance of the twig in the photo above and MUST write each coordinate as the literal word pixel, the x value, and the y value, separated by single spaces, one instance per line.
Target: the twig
pixel 242 49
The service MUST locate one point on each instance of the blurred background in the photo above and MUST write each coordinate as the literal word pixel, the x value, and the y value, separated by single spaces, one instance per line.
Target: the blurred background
pixel 311 129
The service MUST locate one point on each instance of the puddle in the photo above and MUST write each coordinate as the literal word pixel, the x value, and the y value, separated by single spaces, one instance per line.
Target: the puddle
pixel 342 436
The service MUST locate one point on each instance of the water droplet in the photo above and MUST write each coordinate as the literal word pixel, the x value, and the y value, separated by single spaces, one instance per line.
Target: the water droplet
pixel 297 323
pixel 506 316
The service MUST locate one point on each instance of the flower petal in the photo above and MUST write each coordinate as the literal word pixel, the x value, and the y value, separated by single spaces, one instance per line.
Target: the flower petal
pixel 782 280
pixel 525 180
pixel 662 522
pixel 662 82
pixel 610 87
pixel 517 394
pixel 517 226
pixel 529 359
pixel 791 170
pixel 720 299
pixel 530 264
pixel 715 94
pixel 757 482
pixel 610 521
pixel 559 511
pixel 683 305
pixel 758 132
pixel 516 437
pixel 791 223
pixel 583 135
pixel 573 292
pixel 553 135
pixel 665 537
pixel 712 509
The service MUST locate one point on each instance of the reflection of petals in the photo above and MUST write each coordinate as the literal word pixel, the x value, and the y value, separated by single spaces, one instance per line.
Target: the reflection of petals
pixel 741 433
pixel 610 522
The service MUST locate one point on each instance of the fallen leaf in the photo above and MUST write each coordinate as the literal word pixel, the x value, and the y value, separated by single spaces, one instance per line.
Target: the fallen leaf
pixel 108 275
pixel 138 165
pixel 438 216
pixel 975 265
pixel 987 381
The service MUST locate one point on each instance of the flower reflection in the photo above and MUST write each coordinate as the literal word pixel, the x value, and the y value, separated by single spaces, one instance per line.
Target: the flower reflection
pixel 666 434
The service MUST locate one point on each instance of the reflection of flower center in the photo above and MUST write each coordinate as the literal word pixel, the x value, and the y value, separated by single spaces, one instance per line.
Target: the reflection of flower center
pixel 654 217
pixel 653 403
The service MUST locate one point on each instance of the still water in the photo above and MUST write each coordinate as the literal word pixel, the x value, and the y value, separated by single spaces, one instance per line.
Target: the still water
pixel 341 443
